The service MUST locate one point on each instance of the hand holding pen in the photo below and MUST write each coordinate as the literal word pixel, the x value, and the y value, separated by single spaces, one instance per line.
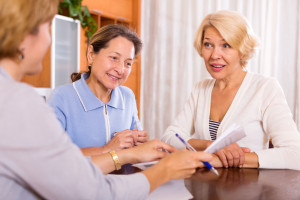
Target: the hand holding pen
pixel 189 147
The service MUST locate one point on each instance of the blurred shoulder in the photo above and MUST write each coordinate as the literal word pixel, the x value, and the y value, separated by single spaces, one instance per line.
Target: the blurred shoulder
pixel 64 89
pixel 259 80
pixel 125 91
pixel 20 96
pixel 61 95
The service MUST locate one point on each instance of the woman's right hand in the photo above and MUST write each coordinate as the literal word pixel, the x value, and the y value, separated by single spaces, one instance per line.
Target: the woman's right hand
pixel 178 165
pixel 121 140
pixel 183 163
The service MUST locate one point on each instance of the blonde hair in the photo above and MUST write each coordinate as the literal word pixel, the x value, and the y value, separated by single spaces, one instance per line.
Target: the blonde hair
pixel 235 30
pixel 19 18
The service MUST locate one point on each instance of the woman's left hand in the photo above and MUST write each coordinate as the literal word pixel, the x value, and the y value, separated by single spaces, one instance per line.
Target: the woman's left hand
pixel 232 155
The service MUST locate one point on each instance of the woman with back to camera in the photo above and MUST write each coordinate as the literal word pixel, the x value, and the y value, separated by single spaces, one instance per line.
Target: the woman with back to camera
pixel 37 158
pixel 226 42
pixel 97 112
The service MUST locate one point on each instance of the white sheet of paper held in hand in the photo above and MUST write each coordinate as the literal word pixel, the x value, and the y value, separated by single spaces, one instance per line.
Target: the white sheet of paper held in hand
pixel 231 135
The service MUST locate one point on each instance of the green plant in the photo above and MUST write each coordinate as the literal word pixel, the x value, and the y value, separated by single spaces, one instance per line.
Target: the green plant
pixel 82 13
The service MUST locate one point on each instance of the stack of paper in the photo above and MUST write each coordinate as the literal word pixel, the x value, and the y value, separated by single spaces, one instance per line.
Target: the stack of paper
pixel 231 135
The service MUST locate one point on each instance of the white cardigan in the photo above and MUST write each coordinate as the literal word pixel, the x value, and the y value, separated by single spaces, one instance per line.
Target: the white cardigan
pixel 259 107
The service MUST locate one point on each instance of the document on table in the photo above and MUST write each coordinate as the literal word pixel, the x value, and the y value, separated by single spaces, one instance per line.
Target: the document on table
pixel 231 135
pixel 174 189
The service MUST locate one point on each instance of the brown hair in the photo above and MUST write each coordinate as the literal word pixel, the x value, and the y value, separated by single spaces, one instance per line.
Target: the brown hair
pixel 19 18
pixel 235 30
pixel 102 36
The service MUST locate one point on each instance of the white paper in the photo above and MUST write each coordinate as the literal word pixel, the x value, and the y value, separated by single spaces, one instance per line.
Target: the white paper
pixel 174 189
pixel 144 165
pixel 231 135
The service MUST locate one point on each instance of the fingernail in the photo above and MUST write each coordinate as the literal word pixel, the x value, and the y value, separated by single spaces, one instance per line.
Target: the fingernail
pixel 241 166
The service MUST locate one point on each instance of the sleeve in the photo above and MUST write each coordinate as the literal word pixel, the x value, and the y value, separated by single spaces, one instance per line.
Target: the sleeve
pixel 42 155
pixel 184 122
pixel 280 127
pixel 56 101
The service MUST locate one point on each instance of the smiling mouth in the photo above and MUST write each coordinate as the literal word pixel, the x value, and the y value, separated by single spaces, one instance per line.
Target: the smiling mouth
pixel 217 66
pixel 113 77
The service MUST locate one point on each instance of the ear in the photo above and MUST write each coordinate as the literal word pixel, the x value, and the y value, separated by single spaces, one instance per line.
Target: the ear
pixel 90 55
pixel 24 46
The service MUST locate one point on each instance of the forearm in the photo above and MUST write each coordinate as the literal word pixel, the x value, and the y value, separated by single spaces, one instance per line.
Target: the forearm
pixel 94 151
pixel 199 145
pixel 251 160
pixel 156 176
pixel 106 163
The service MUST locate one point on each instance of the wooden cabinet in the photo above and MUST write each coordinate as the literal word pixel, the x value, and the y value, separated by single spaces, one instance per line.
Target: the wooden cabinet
pixel 43 79
pixel 104 12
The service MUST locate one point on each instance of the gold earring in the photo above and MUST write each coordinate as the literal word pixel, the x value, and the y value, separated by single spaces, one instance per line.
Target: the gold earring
pixel 21 56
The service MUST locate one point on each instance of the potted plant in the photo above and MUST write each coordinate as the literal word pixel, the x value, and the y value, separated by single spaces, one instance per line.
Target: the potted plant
pixel 75 10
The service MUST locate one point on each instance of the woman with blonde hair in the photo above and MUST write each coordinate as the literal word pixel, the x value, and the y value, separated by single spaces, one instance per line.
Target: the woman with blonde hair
pixel 37 158
pixel 226 42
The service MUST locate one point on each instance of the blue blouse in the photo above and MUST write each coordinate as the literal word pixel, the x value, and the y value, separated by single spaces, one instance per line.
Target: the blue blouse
pixel 88 121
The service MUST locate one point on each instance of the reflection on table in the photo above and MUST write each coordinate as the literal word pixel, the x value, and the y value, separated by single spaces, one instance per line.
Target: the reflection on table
pixel 238 184
pixel 235 183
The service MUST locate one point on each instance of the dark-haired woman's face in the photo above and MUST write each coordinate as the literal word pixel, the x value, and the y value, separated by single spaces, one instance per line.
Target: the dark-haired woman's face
pixel 111 66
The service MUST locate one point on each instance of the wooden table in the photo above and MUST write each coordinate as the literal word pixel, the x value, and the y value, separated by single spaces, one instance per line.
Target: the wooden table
pixel 240 184
pixel 245 184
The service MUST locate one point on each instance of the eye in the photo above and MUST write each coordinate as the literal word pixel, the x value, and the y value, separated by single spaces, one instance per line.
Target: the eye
pixel 226 46
pixel 206 44
pixel 128 64
pixel 114 58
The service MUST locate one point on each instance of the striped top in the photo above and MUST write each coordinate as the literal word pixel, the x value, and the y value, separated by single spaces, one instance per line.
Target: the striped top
pixel 213 128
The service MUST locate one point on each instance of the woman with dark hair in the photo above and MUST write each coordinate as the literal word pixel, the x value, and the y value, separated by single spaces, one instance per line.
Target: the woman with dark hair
pixel 97 112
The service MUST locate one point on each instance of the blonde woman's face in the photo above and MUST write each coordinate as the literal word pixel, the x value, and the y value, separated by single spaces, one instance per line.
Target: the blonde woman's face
pixel 111 66
pixel 221 60
pixel 34 48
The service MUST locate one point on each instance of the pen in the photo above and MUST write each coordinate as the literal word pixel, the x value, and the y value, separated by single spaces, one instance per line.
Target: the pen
pixel 189 147
pixel 136 125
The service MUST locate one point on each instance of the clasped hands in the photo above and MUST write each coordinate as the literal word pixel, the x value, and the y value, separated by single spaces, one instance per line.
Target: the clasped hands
pixel 231 156
pixel 127 139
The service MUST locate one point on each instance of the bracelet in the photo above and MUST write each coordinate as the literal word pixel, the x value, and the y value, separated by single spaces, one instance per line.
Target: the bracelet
pixel 115 159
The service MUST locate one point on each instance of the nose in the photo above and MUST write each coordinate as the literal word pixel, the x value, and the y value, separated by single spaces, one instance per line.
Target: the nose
pixel 120 68
pixel 216 53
